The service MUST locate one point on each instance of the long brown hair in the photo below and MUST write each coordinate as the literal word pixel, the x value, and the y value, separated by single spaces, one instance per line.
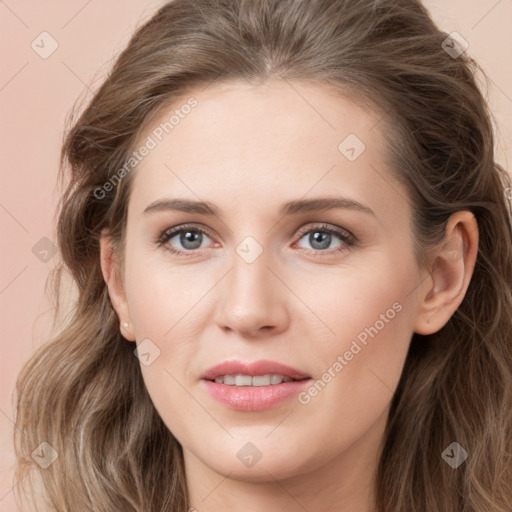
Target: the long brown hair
pixel 82 392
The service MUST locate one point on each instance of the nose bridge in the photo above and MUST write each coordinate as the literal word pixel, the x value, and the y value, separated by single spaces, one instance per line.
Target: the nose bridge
pixel 250 275
pixel 249 282
pixel 251 298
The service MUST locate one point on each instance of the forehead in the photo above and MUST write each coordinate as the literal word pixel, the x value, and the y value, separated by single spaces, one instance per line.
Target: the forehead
pixel 278 140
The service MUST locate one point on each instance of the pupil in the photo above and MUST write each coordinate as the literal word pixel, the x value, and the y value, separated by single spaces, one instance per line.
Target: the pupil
pixel 191 236
pixel 323 238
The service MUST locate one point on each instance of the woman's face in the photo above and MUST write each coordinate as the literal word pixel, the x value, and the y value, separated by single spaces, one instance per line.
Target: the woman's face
pixel 329 291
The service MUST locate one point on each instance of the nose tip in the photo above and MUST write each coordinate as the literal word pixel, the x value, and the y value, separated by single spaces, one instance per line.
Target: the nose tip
pixel 247 327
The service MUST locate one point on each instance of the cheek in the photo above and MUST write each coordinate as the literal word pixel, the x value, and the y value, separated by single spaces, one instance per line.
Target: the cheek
pixel 371 314
pixel 368 301
pixel 167 310
pixel 162 311
pixel 374 321
pixel 161 298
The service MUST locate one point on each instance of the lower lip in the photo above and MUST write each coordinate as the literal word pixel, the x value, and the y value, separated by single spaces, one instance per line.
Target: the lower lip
pixel 254 398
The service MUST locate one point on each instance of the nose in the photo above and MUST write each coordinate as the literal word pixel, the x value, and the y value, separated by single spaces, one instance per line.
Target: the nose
pixel 253 300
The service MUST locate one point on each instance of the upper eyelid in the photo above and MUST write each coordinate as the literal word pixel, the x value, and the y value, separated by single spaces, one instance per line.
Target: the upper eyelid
pixel 177 229
pixel 329 227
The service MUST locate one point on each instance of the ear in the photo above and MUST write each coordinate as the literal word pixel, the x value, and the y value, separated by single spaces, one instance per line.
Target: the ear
pixel 452 267
pixel 115 285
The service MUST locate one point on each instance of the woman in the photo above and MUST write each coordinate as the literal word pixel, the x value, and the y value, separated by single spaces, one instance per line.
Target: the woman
pixel 290 213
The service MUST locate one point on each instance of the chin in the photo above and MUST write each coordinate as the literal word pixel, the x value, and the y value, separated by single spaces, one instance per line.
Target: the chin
pixel 269 467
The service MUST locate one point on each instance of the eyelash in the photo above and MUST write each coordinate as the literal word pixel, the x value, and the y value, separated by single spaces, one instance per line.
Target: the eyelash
pixel 348 239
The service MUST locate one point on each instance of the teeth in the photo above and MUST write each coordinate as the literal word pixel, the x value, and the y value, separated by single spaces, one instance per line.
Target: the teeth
pixel 243 380
pixel 230 379
pixel 264 380
pixel 248 380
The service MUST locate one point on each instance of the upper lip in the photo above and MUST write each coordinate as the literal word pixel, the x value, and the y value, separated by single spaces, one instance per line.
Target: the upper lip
pixel 262 367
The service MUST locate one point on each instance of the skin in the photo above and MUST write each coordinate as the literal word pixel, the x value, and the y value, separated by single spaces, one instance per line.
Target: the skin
pixel 247 149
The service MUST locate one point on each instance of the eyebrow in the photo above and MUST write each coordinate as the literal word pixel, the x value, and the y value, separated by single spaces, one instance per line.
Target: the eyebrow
pixel 290 208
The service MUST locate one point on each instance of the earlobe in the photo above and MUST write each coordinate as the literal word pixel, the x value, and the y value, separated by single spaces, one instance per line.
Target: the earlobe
pixel 115 285
pixel 452 267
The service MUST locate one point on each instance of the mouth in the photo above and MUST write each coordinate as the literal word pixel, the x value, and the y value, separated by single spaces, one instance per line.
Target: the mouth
pixel 253 387
pixel 241 380
pixel 257 373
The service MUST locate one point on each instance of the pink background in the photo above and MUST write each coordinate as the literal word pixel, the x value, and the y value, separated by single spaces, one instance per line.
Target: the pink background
pixel 37 93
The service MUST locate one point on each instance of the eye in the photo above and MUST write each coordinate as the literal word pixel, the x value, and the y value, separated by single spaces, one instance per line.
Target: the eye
pixel 321 238
pixel 189 236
